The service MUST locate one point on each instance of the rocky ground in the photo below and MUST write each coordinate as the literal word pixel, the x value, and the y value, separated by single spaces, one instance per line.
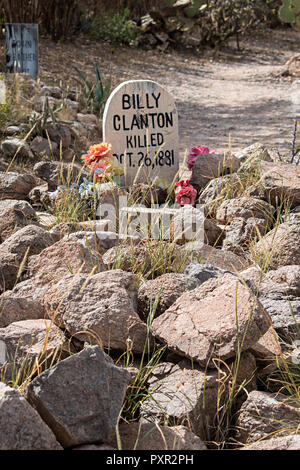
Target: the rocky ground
pixel 188 345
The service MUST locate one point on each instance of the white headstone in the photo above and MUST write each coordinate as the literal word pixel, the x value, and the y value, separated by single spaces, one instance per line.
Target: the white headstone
pixel 141 123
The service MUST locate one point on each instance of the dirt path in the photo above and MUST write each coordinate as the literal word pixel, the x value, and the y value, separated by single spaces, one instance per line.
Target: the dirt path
pixel 235 95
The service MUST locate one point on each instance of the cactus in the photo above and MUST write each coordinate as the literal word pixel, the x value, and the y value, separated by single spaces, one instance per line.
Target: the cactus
pixel 289 12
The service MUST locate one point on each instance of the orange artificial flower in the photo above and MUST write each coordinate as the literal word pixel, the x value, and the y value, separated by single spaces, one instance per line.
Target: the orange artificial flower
pixel 96 153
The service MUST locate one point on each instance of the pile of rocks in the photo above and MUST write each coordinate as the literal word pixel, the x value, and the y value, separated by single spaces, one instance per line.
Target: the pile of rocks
pixel 58 119
pixel 218 324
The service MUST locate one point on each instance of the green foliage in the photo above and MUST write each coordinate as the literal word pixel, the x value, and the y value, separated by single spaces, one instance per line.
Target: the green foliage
pixel 115 27
pixel 95 94
pixel 289 12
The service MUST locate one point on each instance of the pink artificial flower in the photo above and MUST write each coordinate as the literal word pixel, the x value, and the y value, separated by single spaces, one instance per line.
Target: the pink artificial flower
pixel 185 193
pixel 194 153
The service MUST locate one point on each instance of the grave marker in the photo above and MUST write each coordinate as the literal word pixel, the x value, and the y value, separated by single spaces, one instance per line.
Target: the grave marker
pixel 141 123
pixel 22 48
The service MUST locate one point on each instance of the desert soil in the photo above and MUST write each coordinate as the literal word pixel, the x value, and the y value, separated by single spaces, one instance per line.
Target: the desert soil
pixel 230 98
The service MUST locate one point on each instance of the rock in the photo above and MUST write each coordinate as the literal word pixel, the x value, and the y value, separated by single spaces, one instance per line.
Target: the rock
pixel 241 234
pixel 149 436
pixel 30 240
pixel 26 342
pixel 56 173
pixel 111 317
pixel 24 302
pixel 281 182
pixel 161 293
pixel 10 222
pixel 279 293
pixel 22 206
pixel 98 241
pixel 12 130
pixel 253 155
pixel 213 234
pixel 42 147
pixel 267 347
pixel 212 195
pixel 276 443
pixel 89 120
pixel 245 208
pixel 280 246
pixel 245 219
pixel 64 258
pixel 252 276
pixel 14 251
pixel 202 253
pixel 264 414
pixel 11 146
pixel 80 397
pixel 21 428
pixel 15 215
pixel 177 395
pixel 16 186
pixel 210 166
pixel 40 195
pixel 60 134
pixel 203 272
pixel 53 91
pixel 202 324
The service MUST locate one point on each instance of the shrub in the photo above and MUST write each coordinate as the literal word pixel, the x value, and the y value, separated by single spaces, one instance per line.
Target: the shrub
pixel 114 27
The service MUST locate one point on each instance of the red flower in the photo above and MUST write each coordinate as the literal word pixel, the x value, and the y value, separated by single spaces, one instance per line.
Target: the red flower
pixel 185 193
pixel 96 153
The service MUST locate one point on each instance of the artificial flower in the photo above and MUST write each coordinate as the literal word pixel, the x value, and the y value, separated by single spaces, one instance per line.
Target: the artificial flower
pixel 97 153
pixel 194 153
pixel 185 193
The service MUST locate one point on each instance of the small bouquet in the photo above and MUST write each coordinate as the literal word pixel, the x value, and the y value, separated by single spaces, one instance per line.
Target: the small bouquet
pixel 185 193
pixel 102 163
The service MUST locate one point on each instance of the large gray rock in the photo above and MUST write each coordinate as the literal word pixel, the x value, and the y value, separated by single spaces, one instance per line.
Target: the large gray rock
pixel 279 293
pixel 24 302
pixel 210 166
pixel 62 259
pixel 80 397
pixel 280 246
pixel 217 189
pixel 214 320
pixel 25 342
pixel 11 146
pixel 264 414
pixel 42 147
pixel 16 249
pixel 203 272
pixel 245 208
pixel 176 394
pixel 16 186
pixel 160 293
pixel 101 308
pixel 281 182
pixel 194 252
pixel 14 215
pixel 21 428
pixel 149 436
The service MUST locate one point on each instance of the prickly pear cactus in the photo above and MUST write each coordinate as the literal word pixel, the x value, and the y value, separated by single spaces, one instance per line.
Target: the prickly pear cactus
pixel 289 12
